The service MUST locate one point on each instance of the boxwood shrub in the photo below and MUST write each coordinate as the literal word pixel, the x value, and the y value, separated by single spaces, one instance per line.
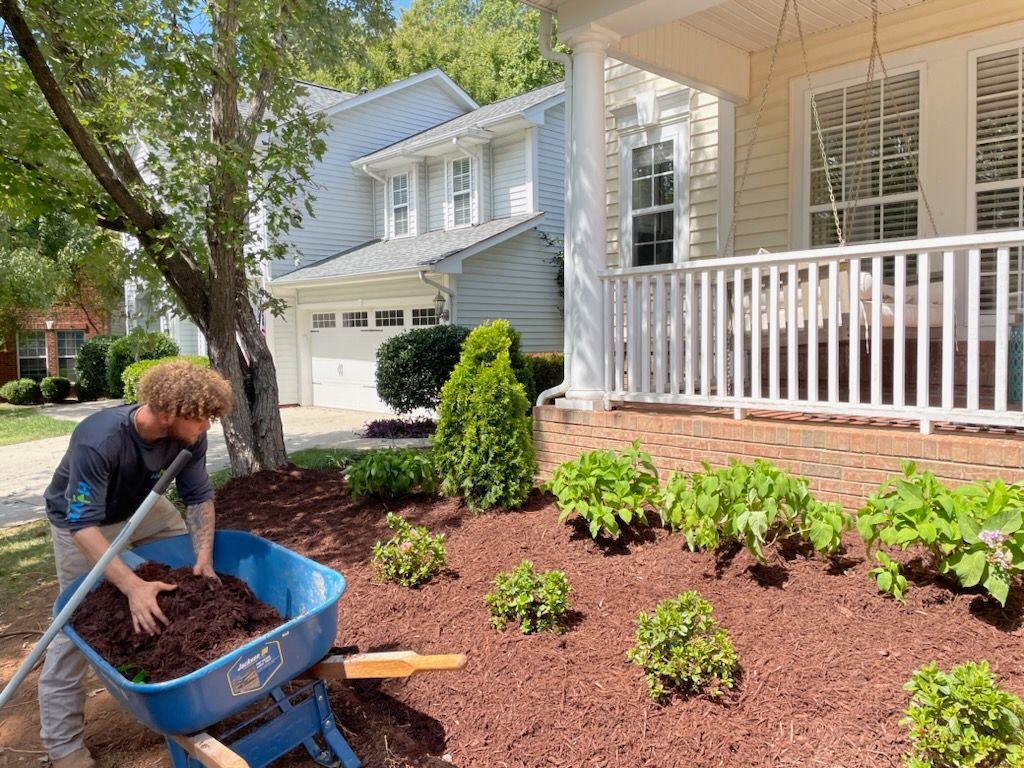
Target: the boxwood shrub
pixel 133 373
pixel 54 389
pixel 91 368
pixel 21 392
pixel 137 345
pixel 548 369
pixel 412 367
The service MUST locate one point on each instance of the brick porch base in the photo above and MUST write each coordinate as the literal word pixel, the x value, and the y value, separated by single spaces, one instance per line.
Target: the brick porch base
pixel 844 460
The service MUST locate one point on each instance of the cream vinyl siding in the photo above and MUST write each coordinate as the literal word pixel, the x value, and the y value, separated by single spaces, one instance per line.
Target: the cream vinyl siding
pixel 283 343
pixel 764 211
pixel 623 83
pixel 514 280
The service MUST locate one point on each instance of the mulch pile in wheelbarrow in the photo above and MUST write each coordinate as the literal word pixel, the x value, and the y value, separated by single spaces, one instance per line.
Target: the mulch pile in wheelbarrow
pixel 824 656
pixel 207 620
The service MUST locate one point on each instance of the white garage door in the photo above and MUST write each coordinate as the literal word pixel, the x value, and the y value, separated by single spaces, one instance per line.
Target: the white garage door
pixel 344 349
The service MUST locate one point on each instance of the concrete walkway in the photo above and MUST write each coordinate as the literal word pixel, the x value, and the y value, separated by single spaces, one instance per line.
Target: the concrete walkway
pixel 26 468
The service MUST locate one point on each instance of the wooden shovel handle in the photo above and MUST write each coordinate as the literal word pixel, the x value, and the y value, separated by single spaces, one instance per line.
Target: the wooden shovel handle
pixel 385 664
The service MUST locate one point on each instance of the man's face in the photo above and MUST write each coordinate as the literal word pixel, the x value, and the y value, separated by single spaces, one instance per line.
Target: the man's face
pixel 187 431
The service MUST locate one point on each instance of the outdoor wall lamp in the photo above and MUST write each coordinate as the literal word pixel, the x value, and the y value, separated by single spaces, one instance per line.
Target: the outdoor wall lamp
pixel 439 310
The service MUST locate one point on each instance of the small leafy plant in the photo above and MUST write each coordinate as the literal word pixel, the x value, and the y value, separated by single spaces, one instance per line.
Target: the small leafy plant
pixel 681 647
pixel 411 557
pixel 974 533
pixel 133 672
pixel 536 600
pixel 752 503
pixel 390 472
pixel 888 577
pixel 962 718
pixel 606 490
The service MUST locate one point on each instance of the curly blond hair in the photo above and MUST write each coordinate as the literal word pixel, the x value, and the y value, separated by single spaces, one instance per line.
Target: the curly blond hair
pixel 181 388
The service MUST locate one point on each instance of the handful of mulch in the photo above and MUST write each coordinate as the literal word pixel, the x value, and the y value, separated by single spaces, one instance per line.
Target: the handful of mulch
pixel 207 621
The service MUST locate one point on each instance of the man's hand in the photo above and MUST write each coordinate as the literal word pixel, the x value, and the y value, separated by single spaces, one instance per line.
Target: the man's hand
pixel 204 568
pixel 146 613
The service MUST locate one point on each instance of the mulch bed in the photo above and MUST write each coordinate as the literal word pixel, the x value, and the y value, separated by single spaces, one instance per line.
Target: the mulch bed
pixel 823 656
pixel 206 621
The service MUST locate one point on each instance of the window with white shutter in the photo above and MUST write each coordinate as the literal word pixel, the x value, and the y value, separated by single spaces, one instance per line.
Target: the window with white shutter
pixel 870 132
pixel 998 171
pixel 400 205
pixel 460 192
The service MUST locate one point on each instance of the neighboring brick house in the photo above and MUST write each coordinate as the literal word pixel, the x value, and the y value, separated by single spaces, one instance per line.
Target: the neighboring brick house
pixel 48 343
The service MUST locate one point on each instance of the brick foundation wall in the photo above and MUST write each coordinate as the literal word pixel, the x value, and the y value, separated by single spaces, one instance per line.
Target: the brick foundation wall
pixel 842 462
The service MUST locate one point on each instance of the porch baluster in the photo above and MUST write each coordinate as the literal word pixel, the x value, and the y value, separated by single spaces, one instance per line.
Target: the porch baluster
pixel 737 337
pixel 632 335
pixel 705 333
pixel 675 340
pixel 899 331
pixel 773 332
pixel 813 287
pixel 833 332
pixel 948 326
pixel 755 332
pixel 792 350
pixel 973 314
pixel 924 279
pixel 853 380
pixel 875 353
pixel 644 307
pixel 721 380
pixel 1002 325
pixel 691 335
pixel 659 334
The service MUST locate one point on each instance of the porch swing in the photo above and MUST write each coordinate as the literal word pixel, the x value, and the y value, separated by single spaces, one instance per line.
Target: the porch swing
pixel 932 315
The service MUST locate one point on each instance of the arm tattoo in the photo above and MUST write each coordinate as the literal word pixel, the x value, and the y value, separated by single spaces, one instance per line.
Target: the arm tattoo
pixel 199 518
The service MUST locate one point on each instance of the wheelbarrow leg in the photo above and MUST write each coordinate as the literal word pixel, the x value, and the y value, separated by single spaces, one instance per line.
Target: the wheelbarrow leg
pixel 328 730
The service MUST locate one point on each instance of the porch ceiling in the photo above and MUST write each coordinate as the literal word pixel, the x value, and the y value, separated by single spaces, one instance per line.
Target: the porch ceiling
pixel 705 43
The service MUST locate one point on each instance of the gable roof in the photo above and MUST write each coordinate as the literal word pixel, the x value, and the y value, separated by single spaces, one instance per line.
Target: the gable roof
pixel 434 75
pixel 322 97
pixel 405 254
pixel 475 120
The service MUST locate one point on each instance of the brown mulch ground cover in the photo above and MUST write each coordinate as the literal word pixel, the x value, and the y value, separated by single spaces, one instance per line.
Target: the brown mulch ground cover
pixel 824 657
pixel 206 621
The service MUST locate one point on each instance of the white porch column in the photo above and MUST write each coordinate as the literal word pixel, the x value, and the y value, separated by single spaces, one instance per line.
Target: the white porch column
pixel 586 222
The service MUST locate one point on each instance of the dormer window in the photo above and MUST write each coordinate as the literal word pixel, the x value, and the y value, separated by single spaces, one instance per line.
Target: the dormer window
pixel 400 205
pixel 461 192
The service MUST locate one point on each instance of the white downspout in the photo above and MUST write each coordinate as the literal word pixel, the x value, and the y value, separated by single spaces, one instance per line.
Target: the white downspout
pixel 569 319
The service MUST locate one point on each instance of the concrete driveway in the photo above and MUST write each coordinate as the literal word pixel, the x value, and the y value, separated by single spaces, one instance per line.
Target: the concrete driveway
pixel 26 468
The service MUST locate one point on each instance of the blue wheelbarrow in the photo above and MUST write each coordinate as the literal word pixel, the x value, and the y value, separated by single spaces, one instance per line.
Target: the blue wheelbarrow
pixel 306 594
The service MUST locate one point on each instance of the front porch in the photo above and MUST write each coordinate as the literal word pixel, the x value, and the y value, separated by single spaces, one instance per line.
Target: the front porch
pixel 844 459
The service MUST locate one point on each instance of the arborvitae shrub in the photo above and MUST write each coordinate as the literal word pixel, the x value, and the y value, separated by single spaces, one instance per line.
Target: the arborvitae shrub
pixel 483 446
pixel 91 368
pixel 54 389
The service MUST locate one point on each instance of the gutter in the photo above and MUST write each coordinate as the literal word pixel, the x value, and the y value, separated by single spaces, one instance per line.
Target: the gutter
pixel 569 321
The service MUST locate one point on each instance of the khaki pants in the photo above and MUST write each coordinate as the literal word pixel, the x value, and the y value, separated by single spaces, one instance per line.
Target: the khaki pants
pixel 62 681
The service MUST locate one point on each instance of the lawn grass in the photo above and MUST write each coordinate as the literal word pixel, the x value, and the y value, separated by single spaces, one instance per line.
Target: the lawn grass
pixel 26 560
pixel 323 458
pixel 22 423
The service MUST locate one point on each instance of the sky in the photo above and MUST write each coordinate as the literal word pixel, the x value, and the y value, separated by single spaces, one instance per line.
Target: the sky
pixel 399 5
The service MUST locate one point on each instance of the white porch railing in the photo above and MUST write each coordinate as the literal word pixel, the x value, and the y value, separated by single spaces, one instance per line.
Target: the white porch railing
pixel 775 332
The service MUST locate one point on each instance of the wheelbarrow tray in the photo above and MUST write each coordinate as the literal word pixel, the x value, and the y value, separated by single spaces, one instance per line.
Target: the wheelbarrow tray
pixel 305 593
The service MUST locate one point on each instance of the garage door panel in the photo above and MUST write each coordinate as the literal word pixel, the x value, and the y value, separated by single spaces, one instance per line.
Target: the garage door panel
pixel 344 367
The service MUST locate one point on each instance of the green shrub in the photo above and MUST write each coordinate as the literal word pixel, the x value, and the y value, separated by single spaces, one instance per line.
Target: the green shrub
pixel 133 373
pixel 91 368
pixel 55 389
pixel 412 367
pixel 390 472
pixel 411 557
pixel 962 718
pixel 137 345
pixel 548 370
pixel 483 446
pixel 681 647
pixel 21 392
pixel 974 532
pixel 536 600
pixel 605 490
pixel 751 503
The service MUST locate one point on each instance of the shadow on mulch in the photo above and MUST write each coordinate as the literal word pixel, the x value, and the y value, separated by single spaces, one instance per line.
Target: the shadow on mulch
pixel 1008 618
pixel 768 575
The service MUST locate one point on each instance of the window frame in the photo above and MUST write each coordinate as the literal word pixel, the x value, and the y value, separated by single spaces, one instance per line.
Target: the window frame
pixel 410 198
pixel 426 316
pixel 807 138
pixel 987 317
pixel 382 318
pixel 450 192
pixel 45 357
pixel 70 374
pixel 678 131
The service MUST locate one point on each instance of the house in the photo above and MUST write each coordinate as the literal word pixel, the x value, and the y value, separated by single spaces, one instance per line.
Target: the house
pixel 431 210
pixel 831 277
pixel 47 344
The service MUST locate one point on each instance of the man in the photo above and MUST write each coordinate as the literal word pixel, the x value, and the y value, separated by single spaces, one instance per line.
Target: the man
pixel 112 463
